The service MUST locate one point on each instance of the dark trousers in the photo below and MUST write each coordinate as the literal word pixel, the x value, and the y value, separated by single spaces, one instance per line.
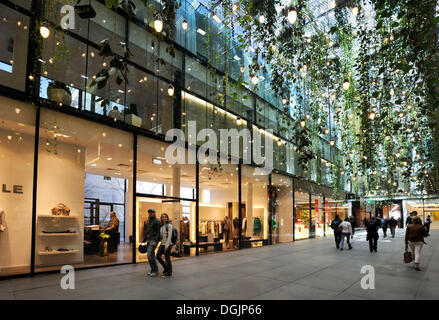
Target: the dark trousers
pixel 385 231
pixel 373 242
pixel 167 265
pixel 337 236
pixel 427 226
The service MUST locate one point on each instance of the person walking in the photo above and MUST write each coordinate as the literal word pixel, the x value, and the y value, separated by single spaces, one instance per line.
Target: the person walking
pixel 346 231
pixel 427 224
pixel 335 224
pixel 414 238
pixel 151 235
pixel 392 225
pixel 384 225
pixel 165 245
pixel 372 234
pixel 353 224
pixel 409 219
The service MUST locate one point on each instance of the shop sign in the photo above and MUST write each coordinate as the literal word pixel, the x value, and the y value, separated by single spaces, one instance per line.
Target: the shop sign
pixel 14 189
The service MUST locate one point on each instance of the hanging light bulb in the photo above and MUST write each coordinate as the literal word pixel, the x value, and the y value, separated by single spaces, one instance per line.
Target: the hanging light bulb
pixel 158 25
pixel 284 101
pixel 279 142
pixel 302 123
pixel 332 142
pixel 255 80
pixel 355 11
pixel 346 84
pixel 44 31
pixel 326 131
pixel 235 7
pixel 242 69
pixel 292 16
pixel 261 18
pixel 238 121
pixel 372 115
pixel 184 25
pixel 170 90
pixel 273 47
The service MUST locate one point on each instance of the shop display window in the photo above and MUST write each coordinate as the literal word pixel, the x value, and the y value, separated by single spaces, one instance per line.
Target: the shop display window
pixel 317 216
pixel 17 139
pixel 84 193
pixel 261 217
pixel 219 208
pixel 283 206
pixel 302 210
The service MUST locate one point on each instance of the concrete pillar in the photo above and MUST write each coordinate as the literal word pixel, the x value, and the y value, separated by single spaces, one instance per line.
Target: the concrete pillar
pixel 249 209
pixel 176 207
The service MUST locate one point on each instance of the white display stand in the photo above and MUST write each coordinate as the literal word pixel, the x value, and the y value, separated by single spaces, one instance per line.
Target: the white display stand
pixel 56 239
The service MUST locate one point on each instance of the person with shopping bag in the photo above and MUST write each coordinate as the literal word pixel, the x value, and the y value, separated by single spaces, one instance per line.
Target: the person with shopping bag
pixel 414 238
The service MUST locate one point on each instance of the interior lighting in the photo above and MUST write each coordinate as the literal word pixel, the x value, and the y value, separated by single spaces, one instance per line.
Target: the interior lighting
pixel 158 25
pixel 170 90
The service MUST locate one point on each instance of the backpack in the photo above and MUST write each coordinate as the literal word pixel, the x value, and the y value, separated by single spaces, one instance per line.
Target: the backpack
pixel 174 235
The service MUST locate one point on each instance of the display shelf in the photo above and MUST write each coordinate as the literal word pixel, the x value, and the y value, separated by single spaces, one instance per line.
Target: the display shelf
pixel 58 217
pixel 53 253
pixel 42 234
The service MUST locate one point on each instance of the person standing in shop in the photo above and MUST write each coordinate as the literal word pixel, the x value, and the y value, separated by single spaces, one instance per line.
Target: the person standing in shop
pixel 384 225
pixel 427 224
pixel 227 229
pixel 113 225
pixel 372 234
pixel 392 225
pixel 335 224
pixel 414 238
pixel 165 245
pixel 151 235
pixel 346 231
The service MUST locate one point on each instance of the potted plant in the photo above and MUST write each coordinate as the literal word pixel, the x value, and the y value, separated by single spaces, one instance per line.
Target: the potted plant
pixel 132 116
pixel 104 243
pixel 59 92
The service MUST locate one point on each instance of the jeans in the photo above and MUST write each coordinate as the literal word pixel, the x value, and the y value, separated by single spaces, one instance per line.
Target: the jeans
pixel 373 242
pixel 343 235
pixel 337 236
pixel 151 256
pixel 167 266
pixel 416 248
pixel 392 230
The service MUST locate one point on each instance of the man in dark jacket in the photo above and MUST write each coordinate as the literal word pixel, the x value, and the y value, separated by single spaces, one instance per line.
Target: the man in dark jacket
pixel 392 225
pixel 384 225
pixel 353 224
pixel 372 234
pixel 151 235
pixel 337 234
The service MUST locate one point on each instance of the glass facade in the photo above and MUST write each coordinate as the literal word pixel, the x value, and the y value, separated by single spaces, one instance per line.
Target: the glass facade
pixel 81 160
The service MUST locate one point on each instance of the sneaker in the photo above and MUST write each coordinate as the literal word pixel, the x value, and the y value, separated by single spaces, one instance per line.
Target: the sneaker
pixel 154 274
pixel 149 273
pixel 166 275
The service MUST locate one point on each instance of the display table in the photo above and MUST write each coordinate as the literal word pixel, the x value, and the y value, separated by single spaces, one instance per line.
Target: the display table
pixel 217 246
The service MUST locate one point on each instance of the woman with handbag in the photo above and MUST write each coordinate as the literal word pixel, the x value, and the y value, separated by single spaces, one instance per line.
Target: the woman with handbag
pixel 414 238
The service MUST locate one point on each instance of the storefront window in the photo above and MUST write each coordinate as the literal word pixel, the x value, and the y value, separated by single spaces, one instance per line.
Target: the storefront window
pixel 84 193
pixel 317 217
pixel 283 202
pixel 261 222
pixel 302 208
pixel 219 208
pixel 17 139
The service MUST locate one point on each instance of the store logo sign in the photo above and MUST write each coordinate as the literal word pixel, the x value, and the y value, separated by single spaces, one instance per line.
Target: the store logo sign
pixel 15 189
pixel 254 149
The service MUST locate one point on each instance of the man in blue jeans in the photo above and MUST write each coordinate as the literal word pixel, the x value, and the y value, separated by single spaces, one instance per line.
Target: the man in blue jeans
pixel 151 235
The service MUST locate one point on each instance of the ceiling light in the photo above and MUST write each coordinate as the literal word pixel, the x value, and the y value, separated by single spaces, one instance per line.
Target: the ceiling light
pixel 201 31
pixel 216 18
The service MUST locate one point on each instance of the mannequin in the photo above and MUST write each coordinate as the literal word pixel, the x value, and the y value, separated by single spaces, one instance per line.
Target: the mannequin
pixel 2 226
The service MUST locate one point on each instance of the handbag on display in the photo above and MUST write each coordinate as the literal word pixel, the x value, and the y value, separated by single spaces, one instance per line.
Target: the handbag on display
pixel 408 257
pixel 143 247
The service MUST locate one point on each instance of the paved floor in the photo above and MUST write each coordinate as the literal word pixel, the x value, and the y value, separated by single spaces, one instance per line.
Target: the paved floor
pixel 308 269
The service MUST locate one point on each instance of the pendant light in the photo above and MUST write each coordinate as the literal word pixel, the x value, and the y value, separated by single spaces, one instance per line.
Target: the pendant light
pixel 238 121
pixel 235 7
pixel 302 123
pixel 184 25
pixel 346 84
pixel 326 131
pixel 158 25
pixel 242 69
pixel 44 31
pixel 284 101
pixel 292 16
pixel 255 79
pixel 372 115
pixel 355 11
pixel 332 142
pixel 261 18
pixel 170 90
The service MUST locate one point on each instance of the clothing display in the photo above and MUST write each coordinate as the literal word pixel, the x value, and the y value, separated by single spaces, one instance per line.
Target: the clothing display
pixel 244 226
pixel 2 226
pixel 257 226
pixel 213 227
pixel 235 227
pixel 184 229
pixel 61 210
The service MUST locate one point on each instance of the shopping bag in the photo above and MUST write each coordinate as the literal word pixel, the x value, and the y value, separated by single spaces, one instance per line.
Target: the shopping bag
pixel 408 257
